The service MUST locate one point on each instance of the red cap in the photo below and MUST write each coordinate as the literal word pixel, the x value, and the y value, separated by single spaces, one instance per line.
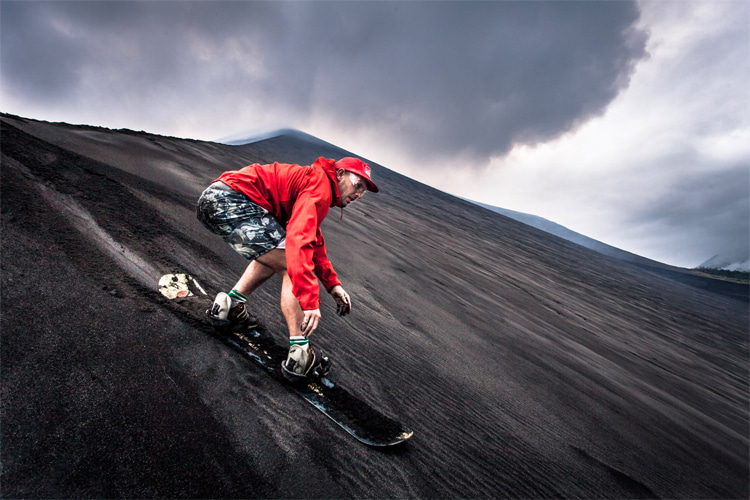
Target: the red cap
pixel 360 168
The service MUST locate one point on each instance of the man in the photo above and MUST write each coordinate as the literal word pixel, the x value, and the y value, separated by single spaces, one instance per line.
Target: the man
pixel 271 215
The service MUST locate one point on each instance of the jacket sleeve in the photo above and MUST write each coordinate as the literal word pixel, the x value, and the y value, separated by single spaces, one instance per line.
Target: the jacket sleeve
pixel 323 267
pixel 309 210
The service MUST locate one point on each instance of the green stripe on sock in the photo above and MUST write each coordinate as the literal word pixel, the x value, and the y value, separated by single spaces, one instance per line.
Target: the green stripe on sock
pixel 298 341
pixel 237 295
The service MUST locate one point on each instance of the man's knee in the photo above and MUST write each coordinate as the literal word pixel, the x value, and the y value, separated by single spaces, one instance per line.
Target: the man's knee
pixel 275 259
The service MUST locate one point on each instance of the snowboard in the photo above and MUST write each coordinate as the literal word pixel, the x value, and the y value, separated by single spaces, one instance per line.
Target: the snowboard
pixel 190 301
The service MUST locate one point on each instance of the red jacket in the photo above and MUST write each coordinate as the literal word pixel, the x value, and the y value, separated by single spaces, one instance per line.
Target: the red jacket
pixel 299 198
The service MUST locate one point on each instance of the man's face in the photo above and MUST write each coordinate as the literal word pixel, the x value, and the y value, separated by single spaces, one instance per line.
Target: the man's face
pixel 351 186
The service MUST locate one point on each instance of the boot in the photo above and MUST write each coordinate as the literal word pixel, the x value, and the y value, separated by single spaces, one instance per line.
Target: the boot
pixel 224 314
pixel 303 364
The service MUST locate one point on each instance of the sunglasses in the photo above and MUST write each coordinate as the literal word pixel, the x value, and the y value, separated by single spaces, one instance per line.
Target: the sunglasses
pixel 359 185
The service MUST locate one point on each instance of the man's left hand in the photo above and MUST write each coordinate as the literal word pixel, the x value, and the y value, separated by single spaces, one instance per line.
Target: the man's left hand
pixel 342 299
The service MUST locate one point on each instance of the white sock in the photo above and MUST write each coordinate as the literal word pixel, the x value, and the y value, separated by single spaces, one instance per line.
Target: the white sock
pixel 237 297
pixel 300 341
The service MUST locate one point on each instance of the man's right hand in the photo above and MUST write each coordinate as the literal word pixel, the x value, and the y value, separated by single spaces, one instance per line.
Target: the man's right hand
pixel 310 321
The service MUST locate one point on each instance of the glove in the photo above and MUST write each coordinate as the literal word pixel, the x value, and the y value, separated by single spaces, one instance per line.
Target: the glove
pixel 342 299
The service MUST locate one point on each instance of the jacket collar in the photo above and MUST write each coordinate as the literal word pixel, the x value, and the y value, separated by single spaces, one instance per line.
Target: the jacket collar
pixel 328 167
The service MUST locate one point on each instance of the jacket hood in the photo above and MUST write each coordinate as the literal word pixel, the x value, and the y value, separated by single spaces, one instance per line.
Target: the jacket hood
pixel 329 167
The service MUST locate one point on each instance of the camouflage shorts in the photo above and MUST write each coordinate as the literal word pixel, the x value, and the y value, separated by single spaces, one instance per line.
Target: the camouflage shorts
pixel 249 228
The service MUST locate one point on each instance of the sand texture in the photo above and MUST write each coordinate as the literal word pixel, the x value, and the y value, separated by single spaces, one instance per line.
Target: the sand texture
pixel 527 366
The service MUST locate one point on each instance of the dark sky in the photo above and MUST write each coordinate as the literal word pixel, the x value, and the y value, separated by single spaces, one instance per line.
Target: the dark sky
pixel 482 99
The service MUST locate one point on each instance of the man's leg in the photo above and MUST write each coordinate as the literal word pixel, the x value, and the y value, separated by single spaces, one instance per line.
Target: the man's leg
pixel 255 275
pixel 301 359
pixel 249 229
pixel 231 306
pixel 290 308
pixel 275 262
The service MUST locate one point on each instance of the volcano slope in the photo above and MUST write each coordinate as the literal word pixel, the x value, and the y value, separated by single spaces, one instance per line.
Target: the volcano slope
pixel 527 366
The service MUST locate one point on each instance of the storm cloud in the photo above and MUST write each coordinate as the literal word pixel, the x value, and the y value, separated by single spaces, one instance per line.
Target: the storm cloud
pixel 435 78
pixel 626 121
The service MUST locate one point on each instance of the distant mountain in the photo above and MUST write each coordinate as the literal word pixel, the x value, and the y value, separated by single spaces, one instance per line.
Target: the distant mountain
pixel 243 138
pixel 731 263
pixel 563 232
pixel 537 222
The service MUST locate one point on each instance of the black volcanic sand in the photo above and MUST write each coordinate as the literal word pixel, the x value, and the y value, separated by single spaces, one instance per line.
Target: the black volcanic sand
pixel 526 365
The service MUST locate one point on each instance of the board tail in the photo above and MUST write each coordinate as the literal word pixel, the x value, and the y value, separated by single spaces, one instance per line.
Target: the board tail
pixel 179 285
